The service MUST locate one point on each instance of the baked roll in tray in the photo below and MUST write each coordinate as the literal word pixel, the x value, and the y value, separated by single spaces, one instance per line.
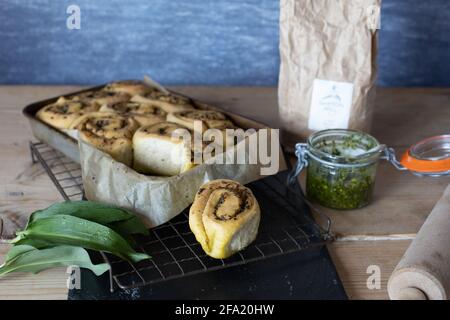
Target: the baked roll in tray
pixel 170 102
pixel 131 87
pixel 224 217
pixel 110 132
pixel 209 119
pixel 157 151
pixel 65 111
pixel 102 97
pixel 145 114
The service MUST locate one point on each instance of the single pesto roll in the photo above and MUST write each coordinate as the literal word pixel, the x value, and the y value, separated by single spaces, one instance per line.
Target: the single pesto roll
pixel 224 217
pixel 64 112
pixel 158 152
pixel 145 114
pixel 109 132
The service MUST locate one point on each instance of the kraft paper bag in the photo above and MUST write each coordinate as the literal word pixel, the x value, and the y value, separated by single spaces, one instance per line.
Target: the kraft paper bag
pixel 328 69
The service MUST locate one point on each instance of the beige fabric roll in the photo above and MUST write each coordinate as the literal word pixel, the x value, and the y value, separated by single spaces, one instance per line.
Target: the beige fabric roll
pixel 145 114
pixel 109 132
pixel 131 87
pixel 64 112
pixel 169 102
pixel 224 217
pixel 423 272
pixel 158 152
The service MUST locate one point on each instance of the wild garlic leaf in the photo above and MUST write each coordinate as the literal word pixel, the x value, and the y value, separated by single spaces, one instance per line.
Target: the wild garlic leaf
pixel 16 251
pixel 24 258
pixel 71 230
pixel 129 227
pixel 101 213
pixel 35 243
pixel 89 210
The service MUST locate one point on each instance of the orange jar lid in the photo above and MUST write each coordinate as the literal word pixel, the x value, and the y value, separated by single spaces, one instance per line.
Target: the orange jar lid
pixel 431 155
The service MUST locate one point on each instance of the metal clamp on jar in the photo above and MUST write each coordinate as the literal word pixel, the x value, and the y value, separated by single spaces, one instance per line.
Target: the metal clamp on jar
pixel 341 165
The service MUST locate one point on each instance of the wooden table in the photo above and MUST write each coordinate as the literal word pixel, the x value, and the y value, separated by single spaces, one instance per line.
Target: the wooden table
pixel 376 235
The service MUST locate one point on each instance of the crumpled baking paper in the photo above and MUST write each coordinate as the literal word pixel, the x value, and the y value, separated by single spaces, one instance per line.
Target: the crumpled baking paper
pixel 156 199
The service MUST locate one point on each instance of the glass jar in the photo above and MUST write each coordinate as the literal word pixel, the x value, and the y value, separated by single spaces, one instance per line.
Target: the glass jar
pixel 341 171
pixel 341 165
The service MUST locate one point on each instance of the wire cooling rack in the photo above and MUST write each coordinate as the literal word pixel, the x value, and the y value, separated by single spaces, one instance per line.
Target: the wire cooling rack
pixel 285 227
pixel 65 174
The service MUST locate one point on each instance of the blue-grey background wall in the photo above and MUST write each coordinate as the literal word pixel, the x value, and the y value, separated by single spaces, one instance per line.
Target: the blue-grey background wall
pixel 230 42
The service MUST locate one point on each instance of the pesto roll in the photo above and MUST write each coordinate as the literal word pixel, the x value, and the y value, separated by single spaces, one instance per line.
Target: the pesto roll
pixel 145 114
pixel 158 152
pixel 102 97
pixel 131 87
pixel 224 217
pixel 64 112
pixel 169 102
pixel 109 132
pixel 209 119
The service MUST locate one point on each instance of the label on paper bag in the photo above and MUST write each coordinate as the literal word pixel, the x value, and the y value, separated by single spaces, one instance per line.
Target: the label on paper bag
pixel 330 105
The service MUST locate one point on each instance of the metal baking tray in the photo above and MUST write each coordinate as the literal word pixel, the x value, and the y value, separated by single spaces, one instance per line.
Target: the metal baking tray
pixel 69 146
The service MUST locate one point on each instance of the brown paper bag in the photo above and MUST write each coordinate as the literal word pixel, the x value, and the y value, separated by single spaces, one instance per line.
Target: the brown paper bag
pixel 328 65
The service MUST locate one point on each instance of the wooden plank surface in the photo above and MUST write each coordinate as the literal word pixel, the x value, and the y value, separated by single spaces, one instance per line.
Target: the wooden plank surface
pixel 47 285
pixel 401 202
pixel 353 258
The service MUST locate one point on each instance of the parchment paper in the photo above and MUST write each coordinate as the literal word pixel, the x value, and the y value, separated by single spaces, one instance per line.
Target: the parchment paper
pixel 156 199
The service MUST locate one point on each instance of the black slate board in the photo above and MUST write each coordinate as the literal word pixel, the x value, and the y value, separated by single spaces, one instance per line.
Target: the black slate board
pixel 306 274
pixel 303 275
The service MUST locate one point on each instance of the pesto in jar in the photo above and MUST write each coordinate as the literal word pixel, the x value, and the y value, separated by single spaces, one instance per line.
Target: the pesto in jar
pixel 338 174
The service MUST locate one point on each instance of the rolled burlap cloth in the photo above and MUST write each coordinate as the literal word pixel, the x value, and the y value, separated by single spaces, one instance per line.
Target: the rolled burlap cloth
pixel 424 271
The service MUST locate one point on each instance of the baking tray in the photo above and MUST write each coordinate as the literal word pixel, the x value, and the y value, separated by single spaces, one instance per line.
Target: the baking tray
pixel 69 146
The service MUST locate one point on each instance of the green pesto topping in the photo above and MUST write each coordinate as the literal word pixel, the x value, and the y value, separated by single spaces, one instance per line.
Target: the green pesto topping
pixel 340 188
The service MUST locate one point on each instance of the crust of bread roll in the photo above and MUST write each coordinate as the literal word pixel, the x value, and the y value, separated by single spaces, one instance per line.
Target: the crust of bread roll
pixel 131 87
pixel 109 132
pixel 145 114
pixel 224 217
pixel 169 102
pixel 64 112
pixel 157 152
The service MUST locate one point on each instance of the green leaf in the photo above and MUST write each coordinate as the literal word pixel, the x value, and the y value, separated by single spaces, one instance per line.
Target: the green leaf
pixel 16 251
pixel 101 213
pixel 35 243
pixel 129 227
pixel 71 230
pixel 89 210
pixel 25 258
